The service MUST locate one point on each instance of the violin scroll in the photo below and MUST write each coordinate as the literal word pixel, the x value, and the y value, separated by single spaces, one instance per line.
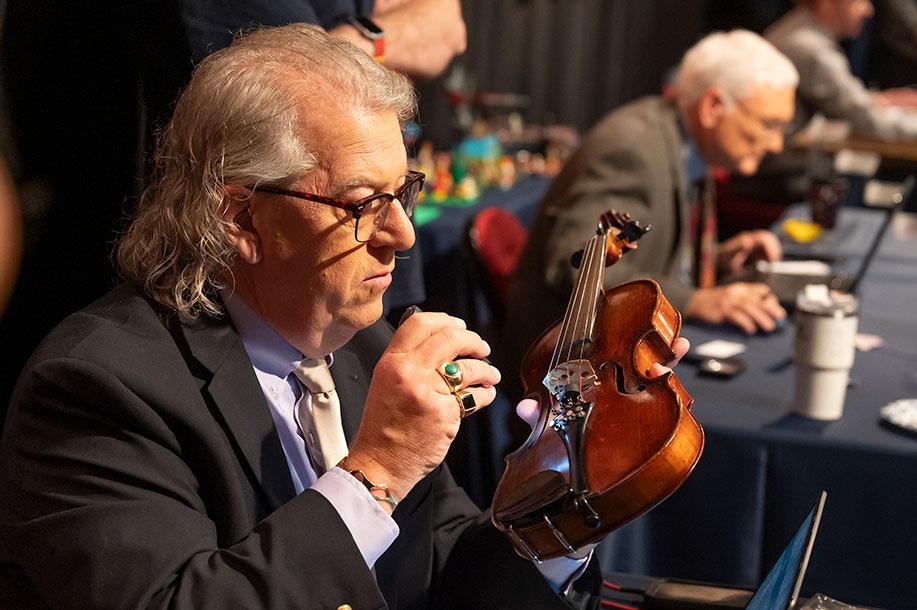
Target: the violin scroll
pixel 625 232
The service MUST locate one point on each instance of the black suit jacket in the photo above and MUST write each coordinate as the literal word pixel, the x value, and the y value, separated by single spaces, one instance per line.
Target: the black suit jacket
pixel 141 468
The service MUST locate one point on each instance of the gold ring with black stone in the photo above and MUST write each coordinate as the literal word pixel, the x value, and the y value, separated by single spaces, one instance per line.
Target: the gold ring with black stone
pixel 466 402
pixel 451 373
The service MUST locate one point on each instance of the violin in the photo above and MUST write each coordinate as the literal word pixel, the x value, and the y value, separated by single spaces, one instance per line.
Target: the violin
pixel 610 442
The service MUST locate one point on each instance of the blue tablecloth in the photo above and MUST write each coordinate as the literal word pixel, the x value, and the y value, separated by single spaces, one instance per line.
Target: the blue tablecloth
pixel 476 457
pixel 763 468
pixel 448 286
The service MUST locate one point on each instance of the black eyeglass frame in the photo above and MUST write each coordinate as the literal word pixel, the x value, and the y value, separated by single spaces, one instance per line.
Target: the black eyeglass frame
pixel 355 208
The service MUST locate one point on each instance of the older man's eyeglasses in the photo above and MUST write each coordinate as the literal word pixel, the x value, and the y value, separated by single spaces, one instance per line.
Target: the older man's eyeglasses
pixel 369 213
pixel 769 126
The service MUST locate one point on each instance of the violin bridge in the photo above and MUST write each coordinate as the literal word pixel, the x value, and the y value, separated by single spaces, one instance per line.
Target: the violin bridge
pixel 573 386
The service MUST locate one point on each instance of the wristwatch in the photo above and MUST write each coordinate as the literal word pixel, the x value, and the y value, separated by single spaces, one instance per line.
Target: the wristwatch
pixel 370 30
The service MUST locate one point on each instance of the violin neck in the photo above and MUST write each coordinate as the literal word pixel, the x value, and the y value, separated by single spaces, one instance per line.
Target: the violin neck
pixel 575 339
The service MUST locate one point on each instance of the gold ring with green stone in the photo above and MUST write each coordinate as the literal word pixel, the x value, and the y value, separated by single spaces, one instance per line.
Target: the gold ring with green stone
pixel 451 373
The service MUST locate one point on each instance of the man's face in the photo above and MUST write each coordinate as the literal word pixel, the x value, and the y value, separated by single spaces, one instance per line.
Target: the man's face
pixel 740 134
pixel 313 282
pixel 849 16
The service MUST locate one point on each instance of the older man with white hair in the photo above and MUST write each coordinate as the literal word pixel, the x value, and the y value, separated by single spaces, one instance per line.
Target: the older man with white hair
pixel 653 158
pixel 234 427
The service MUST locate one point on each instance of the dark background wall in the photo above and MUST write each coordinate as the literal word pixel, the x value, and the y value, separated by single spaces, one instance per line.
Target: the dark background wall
pixel 577 59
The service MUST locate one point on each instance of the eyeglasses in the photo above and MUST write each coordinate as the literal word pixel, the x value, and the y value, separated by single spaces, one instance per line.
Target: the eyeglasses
pixel 773 127
pixel 369 213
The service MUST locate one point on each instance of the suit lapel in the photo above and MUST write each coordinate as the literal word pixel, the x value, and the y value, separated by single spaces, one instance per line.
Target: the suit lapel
pixel 234 393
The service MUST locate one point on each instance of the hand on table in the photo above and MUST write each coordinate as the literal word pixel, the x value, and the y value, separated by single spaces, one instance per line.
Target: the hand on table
pixel 902 97
pixel 749 306
pixel 747 247
pixel 411 415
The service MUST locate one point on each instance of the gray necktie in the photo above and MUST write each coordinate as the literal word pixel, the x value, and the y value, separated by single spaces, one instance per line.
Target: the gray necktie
pixel 326 411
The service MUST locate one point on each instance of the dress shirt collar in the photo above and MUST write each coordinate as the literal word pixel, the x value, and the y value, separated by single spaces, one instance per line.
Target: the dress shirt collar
pixel 697 168
pixel 693 161
pixel 268 351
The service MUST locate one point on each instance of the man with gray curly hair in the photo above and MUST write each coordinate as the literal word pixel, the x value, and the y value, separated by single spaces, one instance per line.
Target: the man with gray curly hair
pixel 653 158
pixel 181 442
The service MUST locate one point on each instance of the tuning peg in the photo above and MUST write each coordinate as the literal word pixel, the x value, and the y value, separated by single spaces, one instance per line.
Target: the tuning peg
pixel 576 259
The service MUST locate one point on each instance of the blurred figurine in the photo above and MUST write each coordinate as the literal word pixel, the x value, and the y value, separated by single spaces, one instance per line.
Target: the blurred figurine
pixel 467 189
pixel 507 173
pixel 442 176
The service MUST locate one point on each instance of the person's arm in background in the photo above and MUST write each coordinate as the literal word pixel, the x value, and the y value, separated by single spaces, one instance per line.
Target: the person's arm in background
pixel 749 306
pixel 421 36
pixel 828 85
pixel 623 179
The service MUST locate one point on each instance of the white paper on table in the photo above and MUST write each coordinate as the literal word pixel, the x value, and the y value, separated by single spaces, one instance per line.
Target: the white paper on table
pixel 819 268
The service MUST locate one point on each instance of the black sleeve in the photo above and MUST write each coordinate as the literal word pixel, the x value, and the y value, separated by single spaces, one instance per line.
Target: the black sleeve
pixel 485 572
pixel 102 509
pixel 211 24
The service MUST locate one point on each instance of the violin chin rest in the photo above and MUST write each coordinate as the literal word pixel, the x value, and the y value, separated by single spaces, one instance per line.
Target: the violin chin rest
pixel 526 499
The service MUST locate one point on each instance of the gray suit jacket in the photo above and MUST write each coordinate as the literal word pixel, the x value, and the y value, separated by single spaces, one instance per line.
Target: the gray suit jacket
pixel 826 84
pixel 633 161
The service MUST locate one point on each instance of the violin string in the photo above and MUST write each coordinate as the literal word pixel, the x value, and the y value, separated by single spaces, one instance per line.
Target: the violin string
pixel 582 313
pixel 595 283
pixel 586 291
pixel 585 296
pixel 564 328
pixel 564 339
pixel 583 293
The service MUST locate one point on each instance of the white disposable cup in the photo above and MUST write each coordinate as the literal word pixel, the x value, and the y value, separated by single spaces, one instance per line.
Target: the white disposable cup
pixel 823 354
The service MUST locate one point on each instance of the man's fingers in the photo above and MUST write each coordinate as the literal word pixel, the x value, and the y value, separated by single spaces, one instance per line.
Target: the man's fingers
pixel 657 370
pixel 761 317
pixel 680 347
pixel 482 397
pixel 739 318
pixel 773 307
pixel 474 373
pixel 528 410
pixel 449 344
pixel 420 327
pixel 769 245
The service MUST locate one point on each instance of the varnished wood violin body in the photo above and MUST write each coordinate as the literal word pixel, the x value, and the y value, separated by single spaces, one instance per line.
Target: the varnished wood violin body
pixel 610 442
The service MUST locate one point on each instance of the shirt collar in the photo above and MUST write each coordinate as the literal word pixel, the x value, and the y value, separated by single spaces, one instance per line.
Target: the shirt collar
pixel 690 154
pixel 268 351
